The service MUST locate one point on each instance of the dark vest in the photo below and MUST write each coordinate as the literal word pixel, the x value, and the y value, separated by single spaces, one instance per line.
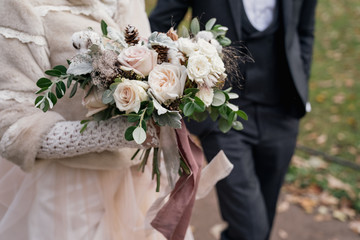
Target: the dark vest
pixel 267 79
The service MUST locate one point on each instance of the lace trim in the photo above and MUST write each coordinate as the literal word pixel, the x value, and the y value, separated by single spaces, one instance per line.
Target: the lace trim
pixel 44 10
pixel 20 97
pixel 109 6
pixel 23 37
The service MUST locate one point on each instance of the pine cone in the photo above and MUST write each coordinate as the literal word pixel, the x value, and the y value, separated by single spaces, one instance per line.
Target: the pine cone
pixel 131 35
pixel 162 53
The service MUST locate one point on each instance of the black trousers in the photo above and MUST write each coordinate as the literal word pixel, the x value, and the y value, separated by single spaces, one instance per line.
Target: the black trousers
pixel 261 154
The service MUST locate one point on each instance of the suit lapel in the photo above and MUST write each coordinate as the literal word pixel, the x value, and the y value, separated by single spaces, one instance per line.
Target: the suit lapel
pixel 235 8
pixel 287 10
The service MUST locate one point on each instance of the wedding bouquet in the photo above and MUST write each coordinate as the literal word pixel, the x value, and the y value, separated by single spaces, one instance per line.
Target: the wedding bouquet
pixel 159 79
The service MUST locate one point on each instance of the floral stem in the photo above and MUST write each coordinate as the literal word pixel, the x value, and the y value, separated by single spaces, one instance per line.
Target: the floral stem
pixel 156 170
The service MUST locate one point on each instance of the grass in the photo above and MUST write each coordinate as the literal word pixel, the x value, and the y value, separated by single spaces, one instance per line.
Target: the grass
pixel 333 125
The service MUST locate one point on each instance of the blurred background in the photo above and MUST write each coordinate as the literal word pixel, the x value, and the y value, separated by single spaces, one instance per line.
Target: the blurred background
pixel 324 177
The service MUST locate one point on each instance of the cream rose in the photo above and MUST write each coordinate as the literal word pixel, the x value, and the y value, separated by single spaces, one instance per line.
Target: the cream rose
pixel 217 65
pixel 206 95
pixel 186 46
pixel 198 67
pixel 207 48
pixel 141 59
pixel 129 94
pixel 93 102
pixel 167 81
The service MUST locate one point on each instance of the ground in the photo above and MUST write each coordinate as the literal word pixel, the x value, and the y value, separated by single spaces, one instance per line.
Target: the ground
pixel 291 223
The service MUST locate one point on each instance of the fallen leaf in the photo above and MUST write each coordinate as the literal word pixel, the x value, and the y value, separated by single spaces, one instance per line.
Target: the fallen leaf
pixel 321 139
pixel 338 184
pixel 317 163
pixel 216 230
pixel 283 234
pixel 339 216
pixel 323 210
pixel 327 199
pixel 322 218
pixel 339 98
pixel 320 98
pixel 349 82
pixel 351 213
pixel 299 162
pixel 355 226
pixel 335 118
pixel 283 207
pixel 308 204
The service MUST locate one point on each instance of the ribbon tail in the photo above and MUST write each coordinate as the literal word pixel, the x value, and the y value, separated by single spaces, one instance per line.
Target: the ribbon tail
pixel 173 218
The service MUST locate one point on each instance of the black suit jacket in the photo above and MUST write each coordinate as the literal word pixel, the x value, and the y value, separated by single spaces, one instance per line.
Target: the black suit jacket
pixel 299 20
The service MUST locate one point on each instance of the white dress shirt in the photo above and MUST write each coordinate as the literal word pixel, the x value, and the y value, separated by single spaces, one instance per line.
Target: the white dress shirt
pixel 260 12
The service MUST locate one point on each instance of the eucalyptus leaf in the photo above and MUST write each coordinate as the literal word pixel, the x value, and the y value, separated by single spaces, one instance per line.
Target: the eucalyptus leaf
pixel 232 117
pixel 39 100
pixel 42 90
pixel 189 109
pixel 73 90
pixel 44 83
pixel 214 113
pixel 199 105
pixel 61 68
pixel 233 95
pixel 104 27
pixel 209 25
pixel 218 99
pixel 171 119
pixel 107 96
pixel 129 133
pixel 69 81
pixel 45 105
pixel 237 125
pixel 200 116
pixel 191 91
pixel 52 98
pixel 223 111
pixel 184 32
pixel 195 26
pixel 224 41
pixel 60 89
pixel 233 107
pixel 242 114
pixel 139 135
pixel 133 118
pixel 53 72
pixel 224 125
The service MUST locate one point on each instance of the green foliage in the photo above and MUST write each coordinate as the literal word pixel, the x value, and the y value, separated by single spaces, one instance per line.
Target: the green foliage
pixel 104 28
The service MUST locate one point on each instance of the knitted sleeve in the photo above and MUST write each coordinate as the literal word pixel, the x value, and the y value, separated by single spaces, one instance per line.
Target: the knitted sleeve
pixel 65 139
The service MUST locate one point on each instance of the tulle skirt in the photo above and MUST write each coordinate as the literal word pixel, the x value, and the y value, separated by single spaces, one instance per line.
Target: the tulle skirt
pixel 62 203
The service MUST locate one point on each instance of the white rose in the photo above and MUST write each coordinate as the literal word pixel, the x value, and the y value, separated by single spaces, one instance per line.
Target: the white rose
pixel 186 46
pixel 129 94
pixel 167 81
pixel 198 67
pixel 217 45
pixel 217 65
pixel 207 48
pixel 206 35
pixel 206 95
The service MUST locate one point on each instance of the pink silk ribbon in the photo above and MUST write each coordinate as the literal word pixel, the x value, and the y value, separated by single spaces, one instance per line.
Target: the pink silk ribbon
pixel 173 218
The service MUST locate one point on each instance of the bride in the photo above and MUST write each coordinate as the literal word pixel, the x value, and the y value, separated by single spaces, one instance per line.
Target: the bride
pixel 56 183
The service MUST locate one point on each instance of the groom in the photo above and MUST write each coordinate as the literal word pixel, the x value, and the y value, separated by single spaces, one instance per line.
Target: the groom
pixel 274 92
